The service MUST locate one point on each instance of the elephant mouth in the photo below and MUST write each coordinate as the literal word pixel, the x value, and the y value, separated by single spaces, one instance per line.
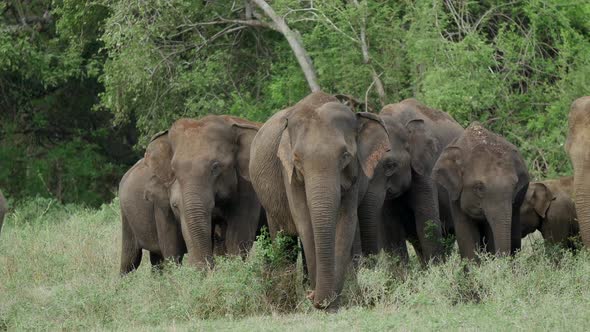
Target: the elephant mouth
pixel 393 193
pixel 475 213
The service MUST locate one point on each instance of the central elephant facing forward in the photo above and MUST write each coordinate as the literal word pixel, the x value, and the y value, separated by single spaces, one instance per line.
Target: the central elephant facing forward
pixel 486 179
pixel 304 165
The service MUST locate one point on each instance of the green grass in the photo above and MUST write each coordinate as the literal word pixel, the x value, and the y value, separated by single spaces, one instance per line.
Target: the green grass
pixel 59 270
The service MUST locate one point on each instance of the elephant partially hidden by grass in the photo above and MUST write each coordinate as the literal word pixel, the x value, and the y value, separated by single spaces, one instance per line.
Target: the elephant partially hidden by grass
pixel 305 163
pixel 189 192
pixel 3 210
pixel 549 208
pixel 486 179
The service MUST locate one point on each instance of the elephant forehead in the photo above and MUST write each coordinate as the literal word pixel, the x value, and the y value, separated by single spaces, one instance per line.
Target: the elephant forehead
pixel 479 138
pixel 185 123
pixel 324 127
pixel 484 157
pixel 336 115
pixel 397 132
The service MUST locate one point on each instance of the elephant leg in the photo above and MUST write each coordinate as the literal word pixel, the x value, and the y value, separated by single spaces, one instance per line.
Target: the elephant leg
pixel 130 251
pixel 370 219
pixel 415 242
pixel 273 226
pixel 308 255
pixel 446 217
pixel 302 220
pixel 393 234
pixel 467 232
pixel 356 248
pixel 170 238
pixel 411 234
pixel 304 264
pixel 242 219
pixel 346 229
pixel 515 231
pixel 156 260
pixel 486 242
pixel 424 202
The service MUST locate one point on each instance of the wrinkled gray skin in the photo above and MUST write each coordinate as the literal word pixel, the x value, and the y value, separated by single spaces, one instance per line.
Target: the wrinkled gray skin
pixel 198 174
pixel 576 146
pixel 402 198
pixel 486 179
pixel 549 208
pixel 147 219
pixel 305 162
pixel 3 210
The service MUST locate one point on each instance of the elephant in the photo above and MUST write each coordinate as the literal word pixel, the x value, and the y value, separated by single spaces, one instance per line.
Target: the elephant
pixel 486 179
pixel 578 138
pixel 147 219
pixel 305 165
pixel 3 210
pixel 549 208
pixel 398 204
pixel 195 179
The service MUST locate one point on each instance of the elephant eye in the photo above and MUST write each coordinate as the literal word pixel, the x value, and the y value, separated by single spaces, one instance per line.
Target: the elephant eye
pixel 479 188
pixel 345 159
pixel 215 168
pixel 390 166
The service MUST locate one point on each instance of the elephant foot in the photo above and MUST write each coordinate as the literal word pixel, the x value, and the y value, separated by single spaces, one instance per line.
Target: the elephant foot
pixel 311 297
pixel 321 306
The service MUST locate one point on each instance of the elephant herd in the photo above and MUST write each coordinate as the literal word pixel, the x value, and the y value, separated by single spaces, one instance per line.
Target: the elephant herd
pixel 345 184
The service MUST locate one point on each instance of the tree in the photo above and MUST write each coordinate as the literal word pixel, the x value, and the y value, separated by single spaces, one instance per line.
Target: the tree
pixel 295 43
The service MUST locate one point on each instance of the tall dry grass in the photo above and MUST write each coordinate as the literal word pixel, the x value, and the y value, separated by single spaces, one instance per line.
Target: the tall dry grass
pixel 59 270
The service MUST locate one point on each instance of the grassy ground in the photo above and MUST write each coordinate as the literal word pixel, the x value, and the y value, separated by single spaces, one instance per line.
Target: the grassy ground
pixel 59 270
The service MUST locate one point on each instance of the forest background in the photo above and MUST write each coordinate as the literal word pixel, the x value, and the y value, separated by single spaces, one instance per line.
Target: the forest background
pixel 85 83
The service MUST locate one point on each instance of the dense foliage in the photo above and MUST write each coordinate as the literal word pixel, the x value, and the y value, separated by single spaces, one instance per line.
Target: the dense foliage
pixel 78 77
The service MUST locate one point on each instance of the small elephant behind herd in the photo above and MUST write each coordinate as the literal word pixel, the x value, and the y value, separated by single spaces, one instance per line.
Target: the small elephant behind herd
pixel 345 184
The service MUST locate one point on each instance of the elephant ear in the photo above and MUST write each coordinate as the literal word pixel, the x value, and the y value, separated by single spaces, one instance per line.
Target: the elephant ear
pixel 158 157
pixel 245 134
pixel 541 199
pixel 373 141
pixel 156 192
pixel 423 147
pixel 285 152
pixel 448 171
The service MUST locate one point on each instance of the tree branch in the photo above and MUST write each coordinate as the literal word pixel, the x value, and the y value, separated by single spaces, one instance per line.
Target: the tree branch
pixel 295 43
pixel 367 59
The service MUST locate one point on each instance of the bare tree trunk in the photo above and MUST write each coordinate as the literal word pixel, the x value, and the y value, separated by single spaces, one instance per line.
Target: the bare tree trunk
pixel 367 59
pixel 295 43
pixel 248 8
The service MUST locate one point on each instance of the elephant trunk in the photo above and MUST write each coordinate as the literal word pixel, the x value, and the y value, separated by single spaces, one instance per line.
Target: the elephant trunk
pixel 323 199
pixel 369 213
pixel 499 217
pixel 427 216
pixel 196 227
pixel 582 200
